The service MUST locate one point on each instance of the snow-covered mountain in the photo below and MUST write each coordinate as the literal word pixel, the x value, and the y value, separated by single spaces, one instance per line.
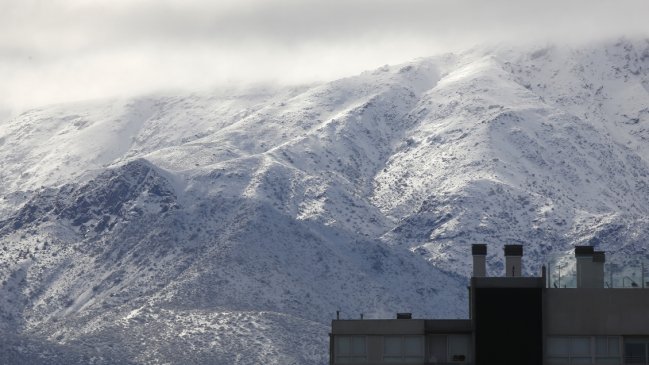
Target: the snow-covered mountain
pixel 228 228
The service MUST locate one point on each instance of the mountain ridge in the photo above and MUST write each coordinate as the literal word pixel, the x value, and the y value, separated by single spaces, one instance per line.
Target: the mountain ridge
pixel 216 221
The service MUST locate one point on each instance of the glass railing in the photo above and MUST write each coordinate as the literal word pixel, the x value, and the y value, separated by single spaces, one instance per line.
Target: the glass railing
pixel 561 271
pixel 620 271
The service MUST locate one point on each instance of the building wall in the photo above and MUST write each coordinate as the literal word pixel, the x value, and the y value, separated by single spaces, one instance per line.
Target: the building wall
pixel 595 312
pixel 508 326
pixel 442 340
pixel 378 327
pixel 585 318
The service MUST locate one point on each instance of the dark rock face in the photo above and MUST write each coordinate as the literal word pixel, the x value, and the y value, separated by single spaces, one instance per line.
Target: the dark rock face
pixel 99 204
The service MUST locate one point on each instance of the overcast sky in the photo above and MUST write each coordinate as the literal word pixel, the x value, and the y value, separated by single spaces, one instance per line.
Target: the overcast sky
pixel 55 51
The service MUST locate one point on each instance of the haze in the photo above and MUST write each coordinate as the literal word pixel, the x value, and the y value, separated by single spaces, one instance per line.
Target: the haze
pixel 54 51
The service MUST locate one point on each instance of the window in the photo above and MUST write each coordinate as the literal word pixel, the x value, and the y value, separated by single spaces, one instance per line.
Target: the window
pixel 454 349
pixel 580 350
pixel 437 348
pixel 350 349
pixel 569 350
pixel 636 350
pixel 392 349
pixel 583 350
pixel 403 349
pixel 607 350
pixel 458 348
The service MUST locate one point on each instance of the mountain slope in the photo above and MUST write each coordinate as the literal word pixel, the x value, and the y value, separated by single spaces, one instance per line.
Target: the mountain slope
pixel 236 224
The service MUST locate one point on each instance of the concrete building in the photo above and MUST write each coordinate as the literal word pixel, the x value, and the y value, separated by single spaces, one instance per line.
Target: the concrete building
pixel 513 320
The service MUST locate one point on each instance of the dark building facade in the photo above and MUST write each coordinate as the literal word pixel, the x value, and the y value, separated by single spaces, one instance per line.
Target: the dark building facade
pixel 513 320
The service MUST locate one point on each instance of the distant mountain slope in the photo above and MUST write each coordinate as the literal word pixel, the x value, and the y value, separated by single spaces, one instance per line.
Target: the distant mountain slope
pixel 236 224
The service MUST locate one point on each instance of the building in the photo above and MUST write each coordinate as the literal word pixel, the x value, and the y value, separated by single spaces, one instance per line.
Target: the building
pixel 513 320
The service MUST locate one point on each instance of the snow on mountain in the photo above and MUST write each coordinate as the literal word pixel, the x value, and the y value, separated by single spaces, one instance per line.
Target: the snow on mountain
pixel 229 228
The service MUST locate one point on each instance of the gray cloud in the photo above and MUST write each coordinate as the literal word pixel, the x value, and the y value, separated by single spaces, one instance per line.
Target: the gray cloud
pixel 62 50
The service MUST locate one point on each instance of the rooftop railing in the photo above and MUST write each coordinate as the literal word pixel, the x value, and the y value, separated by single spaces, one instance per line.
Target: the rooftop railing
pixel 620 271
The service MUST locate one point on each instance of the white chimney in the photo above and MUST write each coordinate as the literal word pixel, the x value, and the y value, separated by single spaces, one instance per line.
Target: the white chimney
pixel 599 258
pixel 513 260
pixel 590 267
pixel 479 252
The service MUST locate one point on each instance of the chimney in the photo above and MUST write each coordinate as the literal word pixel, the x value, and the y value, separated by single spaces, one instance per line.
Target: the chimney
pixel 479 252
pixel 585 266
pixel 513 260
pixel 599 258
